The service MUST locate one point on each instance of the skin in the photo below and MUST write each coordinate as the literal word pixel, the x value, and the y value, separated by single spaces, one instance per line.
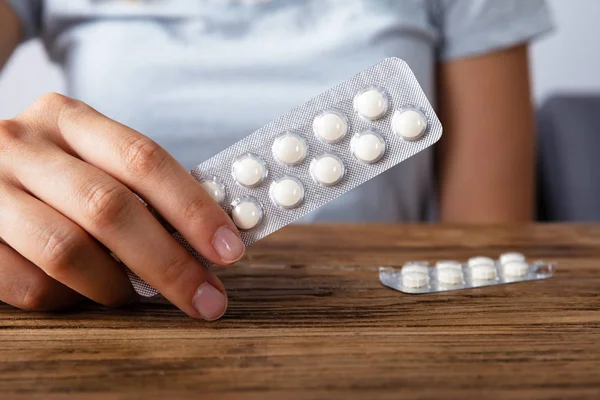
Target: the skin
pixel 67 181
pixel 11 32
pixel 486 157
pixel 68 176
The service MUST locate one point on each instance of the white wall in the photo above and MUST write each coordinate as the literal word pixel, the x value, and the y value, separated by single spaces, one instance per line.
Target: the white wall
pixel 27 75
pixel 566 61
pixel 569 60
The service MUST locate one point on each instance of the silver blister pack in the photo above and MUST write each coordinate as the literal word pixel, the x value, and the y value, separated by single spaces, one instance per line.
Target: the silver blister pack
pixel 318 151
pixel 421 278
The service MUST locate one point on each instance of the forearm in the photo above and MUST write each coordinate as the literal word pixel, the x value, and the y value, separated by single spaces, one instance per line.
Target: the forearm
pixel 10 32
pixel 486 158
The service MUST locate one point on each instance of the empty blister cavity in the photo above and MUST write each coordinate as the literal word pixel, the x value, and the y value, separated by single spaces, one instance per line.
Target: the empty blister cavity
pixel 287 192
pixel 368 146
pixel 327 170
pixel 249 170
pixel 409 124
pixel 331 126
pixel 215 189
pixel 371 104
pixel 477 261
pixel 515 268
pixel 289 149
pixel 482 272
pixel 246 212
pixel 511 257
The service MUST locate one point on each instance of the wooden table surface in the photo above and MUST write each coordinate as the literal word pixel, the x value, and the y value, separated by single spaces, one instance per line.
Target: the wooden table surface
pixel 308 319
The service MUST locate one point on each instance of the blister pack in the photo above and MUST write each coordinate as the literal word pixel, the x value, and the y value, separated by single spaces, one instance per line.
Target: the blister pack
pixel 419 278
pixel 318 151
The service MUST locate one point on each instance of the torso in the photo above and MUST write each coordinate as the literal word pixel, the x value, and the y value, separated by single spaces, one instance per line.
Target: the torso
pixel 197 76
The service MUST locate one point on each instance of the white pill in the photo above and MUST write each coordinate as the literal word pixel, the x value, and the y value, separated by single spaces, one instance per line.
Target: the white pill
pixel 410 268
pixel 289 149
pixel 475 261
pixel 330 127
pixel 510 257
pixel 327 170
pixel 409 124
pixel 368 147
pixel 414 280
pixel 516 268
pixel 215 189
pixel 249 171
pixel 287 192
pixel 246 213
pixel 450 276
pixel 483 272
pixel 453 265
pixel 372 104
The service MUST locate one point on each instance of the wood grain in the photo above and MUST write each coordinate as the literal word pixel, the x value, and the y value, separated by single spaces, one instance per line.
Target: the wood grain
pixel 308 319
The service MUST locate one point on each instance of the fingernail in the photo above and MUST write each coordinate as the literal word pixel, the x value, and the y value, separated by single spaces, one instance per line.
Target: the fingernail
pixel 228 245
pixel 210 302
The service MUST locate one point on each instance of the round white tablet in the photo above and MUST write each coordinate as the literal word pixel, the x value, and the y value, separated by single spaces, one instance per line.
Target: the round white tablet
pixel 330 126
pixel 483 272
pixel 453 265
pixel 246 213
pixel 249 171
pixel 510 257
pixel 414 268
pixel 516 268
pixel 289 149
pixel 215 189
pixel 371 104
pixel 287 192
pixel 410 124
pixel 327 170
pixel 368 147
pixel 414 280
pixel 450 276
pixel 475 261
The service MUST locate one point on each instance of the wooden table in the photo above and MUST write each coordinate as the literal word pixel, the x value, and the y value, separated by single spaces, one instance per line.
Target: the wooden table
pixel 308 319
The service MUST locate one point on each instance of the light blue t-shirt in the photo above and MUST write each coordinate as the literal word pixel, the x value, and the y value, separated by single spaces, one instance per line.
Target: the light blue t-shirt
pixel 198 75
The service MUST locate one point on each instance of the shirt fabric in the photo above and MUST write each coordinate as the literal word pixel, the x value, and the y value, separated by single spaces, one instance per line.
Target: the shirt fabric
pixel 199 75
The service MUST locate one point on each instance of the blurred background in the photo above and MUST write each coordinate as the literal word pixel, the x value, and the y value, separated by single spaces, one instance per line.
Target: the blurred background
pixel 565 62
pixel 566 83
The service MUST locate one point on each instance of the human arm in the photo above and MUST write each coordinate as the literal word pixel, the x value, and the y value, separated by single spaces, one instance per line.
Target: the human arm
pixel 486 163
pixel 486 159
pixel 10 32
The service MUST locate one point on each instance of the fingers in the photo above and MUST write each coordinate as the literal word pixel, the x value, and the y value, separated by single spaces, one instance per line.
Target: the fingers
pixel 106 209
pixel 61 249
pixel 25 286
pixel 151 172
pixel 113 215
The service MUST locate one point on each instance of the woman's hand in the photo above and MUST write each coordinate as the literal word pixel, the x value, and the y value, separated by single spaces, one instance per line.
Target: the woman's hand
pixel 67 181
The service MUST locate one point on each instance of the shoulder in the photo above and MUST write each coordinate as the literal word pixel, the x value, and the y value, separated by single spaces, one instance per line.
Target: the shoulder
pixel 471 27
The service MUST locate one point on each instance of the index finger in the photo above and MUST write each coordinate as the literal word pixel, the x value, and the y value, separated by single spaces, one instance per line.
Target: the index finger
pixel 147 169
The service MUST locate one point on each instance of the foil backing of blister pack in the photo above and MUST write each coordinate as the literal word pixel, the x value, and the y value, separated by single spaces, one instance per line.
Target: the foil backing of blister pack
pixel 393 77
pixel 398 278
